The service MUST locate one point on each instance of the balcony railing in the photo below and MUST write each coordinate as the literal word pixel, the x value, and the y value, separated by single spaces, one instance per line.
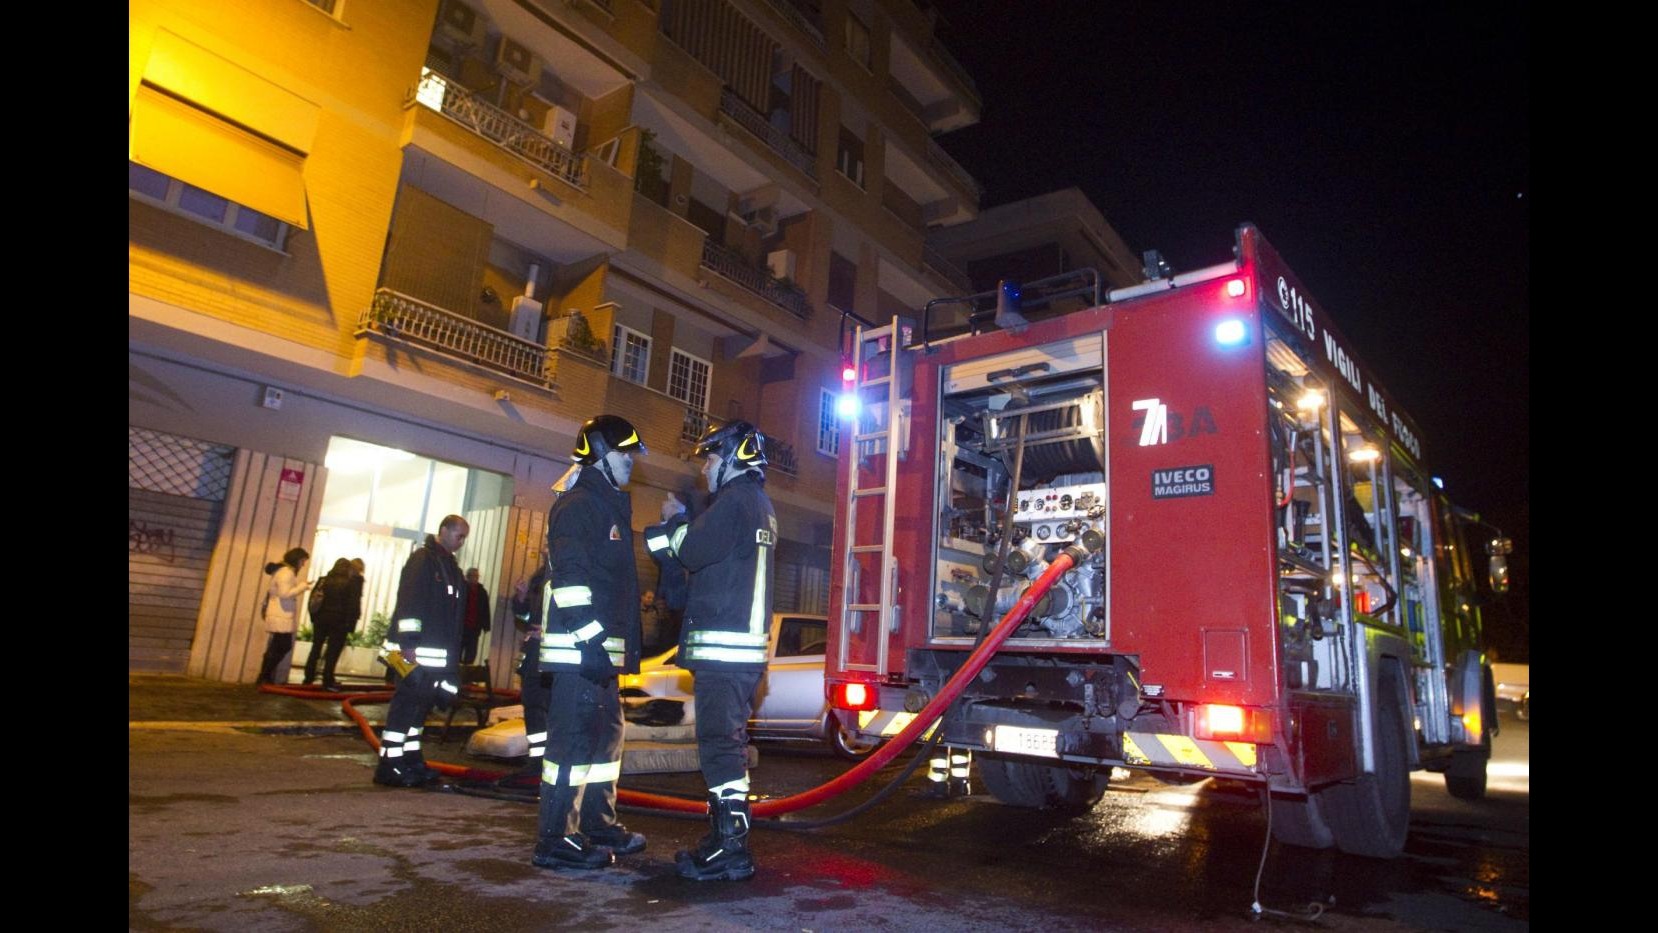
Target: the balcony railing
pixel 732 265
pixel 809 21
pixel 779 453
pixel 442 94
pixel 943 57
pixel 942 159
pixel 400 317
pixel 934 260
pixel 775 139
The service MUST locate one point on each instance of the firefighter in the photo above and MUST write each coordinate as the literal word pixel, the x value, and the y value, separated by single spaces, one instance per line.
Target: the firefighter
pixel 590 632
pixel 429 617
pixel 728 552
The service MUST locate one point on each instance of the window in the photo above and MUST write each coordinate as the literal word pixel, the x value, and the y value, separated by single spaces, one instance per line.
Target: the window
pixel 327 6
pixel 843 279
pixel 688 379
pixel 857 39
pixel 828 426
pixel 849 160
pixel 149 185
pixel 630 354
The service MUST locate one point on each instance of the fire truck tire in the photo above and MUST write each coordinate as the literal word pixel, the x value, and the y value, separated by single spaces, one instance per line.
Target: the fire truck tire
pixel 1020 783
pixel 1299 821
pixel 1371 815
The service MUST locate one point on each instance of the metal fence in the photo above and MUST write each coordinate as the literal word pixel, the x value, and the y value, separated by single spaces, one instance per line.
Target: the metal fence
pixel 442 94
pixel 732 265
pixel 400 317
pixel 775 139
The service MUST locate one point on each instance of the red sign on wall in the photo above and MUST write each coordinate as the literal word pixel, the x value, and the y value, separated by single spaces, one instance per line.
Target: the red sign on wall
pixel 288 486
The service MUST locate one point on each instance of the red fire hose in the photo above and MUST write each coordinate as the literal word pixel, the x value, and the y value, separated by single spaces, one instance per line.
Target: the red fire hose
pixel 854 776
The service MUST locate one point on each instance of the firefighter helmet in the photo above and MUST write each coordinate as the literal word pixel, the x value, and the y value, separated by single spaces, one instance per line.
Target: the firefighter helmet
pixel 603 434
pixel 737 443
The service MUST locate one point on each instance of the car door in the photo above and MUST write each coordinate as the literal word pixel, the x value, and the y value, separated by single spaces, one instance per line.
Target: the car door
pixel 791 696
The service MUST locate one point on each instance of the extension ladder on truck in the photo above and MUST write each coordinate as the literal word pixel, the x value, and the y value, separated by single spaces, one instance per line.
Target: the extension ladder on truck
pixel 875 435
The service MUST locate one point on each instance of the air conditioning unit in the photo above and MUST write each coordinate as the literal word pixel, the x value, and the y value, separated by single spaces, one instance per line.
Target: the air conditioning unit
pixel 781 263
pixel 460 24
pixel 561 127
pixel 762 219
pixel 517 63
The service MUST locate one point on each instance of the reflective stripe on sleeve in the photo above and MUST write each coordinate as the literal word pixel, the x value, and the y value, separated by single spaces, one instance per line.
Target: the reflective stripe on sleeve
pixel 677 540
pixel 432 662
pixel 566 596
pixel 656 543
pixel 431 652
pixel 589 631
pixel 408 625
pixel 536 739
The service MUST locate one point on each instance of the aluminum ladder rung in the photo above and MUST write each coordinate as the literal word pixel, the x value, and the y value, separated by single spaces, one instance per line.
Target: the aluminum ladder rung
pixel 864 607
pixel 873 435
pixel 869 548
pixel 870 491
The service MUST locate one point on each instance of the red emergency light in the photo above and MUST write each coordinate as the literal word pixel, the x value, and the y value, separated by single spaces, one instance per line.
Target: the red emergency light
pixel 849 373
pixel 1227 723
pixel 852 696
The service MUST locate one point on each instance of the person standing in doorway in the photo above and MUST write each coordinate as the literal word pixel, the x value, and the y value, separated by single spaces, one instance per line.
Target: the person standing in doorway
pixel 331 625
pixel 728 552
pixel 590 633
pixel 477 616
pixel 426 629
pixel 282 609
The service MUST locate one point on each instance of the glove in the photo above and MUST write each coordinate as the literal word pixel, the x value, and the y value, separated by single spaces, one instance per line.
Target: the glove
pixel 448 688
pixel 595 661
pixel 671 506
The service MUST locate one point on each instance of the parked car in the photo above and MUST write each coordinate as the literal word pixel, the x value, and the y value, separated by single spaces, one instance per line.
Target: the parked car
pixel 791 703
pixel 1513 688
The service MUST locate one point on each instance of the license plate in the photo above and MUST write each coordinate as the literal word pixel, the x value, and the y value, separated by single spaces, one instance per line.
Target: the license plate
pixel 1020 740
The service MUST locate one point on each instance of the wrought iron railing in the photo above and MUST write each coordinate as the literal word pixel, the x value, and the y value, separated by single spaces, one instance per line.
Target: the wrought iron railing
pixel 809 24
pixel 443 95
pixel 942 159
pixel 774 138
pixel 399 317
pixel 732 265
pixel 779 453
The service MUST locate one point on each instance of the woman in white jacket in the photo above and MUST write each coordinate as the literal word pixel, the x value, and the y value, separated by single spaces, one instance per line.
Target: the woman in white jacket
pixel 282 609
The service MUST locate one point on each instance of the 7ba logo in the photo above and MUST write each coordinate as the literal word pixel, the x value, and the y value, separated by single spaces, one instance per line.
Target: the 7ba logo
pixel 1158 425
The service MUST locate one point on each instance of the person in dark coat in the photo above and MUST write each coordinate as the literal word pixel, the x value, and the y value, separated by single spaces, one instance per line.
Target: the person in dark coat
pixel 477 616
pixel 728 551
pixel 590 633
pixel 426 630
pixel 332 624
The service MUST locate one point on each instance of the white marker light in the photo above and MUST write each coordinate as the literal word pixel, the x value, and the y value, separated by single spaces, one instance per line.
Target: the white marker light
pixel 1229 333
pixel 846 405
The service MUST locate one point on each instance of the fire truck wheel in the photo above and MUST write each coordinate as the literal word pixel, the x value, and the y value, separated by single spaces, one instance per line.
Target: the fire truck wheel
pixel 1020 783
pixel 845 743
pixel 1371 815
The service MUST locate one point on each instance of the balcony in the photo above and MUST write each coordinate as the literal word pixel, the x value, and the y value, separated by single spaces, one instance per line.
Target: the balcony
pixel 951 167
pixel 398 317
pixel 735 268
pixel 779 453
pixel 513 135
pixel 775 139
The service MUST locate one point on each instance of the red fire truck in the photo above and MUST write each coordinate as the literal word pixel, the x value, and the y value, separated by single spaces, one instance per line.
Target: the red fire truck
pixel 1268 586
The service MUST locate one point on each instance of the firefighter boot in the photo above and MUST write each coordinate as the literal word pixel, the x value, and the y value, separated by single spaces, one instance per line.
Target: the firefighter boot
pixel 571 851
pixel 617 838
pixel 394 768
pixel 723 854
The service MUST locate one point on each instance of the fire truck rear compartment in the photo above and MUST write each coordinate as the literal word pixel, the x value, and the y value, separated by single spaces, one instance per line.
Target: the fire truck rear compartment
pixel 1037 413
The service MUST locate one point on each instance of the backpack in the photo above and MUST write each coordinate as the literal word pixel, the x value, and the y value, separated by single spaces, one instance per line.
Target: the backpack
pixel 318 594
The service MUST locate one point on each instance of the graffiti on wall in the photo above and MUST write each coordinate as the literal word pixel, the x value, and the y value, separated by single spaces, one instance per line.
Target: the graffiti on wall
pixel 142 539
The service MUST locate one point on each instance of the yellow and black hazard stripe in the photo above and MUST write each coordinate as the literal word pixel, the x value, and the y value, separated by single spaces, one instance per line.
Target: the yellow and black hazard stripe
pixel 888 723
pixel 1149 748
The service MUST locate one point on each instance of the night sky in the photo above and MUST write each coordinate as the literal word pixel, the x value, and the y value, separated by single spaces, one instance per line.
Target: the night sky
pixel 1383 149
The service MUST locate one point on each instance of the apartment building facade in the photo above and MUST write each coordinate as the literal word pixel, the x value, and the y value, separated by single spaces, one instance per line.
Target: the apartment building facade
pixel 385 256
